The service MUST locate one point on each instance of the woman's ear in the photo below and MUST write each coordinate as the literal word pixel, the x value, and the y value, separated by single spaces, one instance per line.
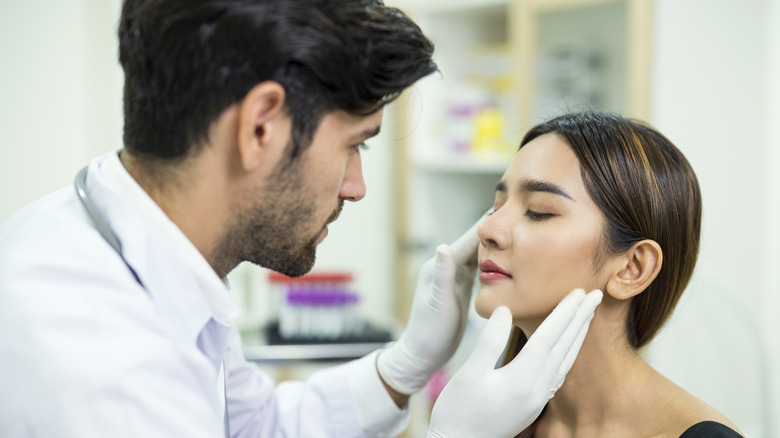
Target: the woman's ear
pixel 635 270
pixel 262 123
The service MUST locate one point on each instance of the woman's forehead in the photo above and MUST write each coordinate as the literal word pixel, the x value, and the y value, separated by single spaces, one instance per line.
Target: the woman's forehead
pixel 546 158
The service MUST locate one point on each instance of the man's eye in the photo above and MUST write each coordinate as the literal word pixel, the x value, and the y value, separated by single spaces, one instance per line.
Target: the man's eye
pixel 362 146
pixel 536 216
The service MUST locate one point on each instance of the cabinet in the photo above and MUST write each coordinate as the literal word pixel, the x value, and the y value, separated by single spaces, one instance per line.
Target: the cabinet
pixel 505 65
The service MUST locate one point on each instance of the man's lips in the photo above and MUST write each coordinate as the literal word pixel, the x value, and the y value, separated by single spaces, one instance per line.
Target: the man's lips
pixel 335 215
pixel 491 271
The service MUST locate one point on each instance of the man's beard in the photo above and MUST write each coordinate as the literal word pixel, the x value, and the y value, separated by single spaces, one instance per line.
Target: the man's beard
pixel 272 232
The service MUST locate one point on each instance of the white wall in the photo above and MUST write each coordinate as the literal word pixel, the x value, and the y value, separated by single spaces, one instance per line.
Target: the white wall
pixel 709 98
pixel 771 266
pixel 60 93
pixel 715 95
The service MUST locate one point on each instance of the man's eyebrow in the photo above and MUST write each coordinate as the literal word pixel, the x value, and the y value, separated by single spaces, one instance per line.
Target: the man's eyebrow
pixel 365 135
pixel 532 185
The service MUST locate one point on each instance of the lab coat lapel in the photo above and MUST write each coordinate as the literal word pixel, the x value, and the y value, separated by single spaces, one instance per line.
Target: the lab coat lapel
pixel 147 250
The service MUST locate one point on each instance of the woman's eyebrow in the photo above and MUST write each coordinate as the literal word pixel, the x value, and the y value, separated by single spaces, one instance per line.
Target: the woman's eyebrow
pixel 532 185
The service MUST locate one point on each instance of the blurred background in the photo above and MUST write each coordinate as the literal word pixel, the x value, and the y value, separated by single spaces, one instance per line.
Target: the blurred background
pixel 706 73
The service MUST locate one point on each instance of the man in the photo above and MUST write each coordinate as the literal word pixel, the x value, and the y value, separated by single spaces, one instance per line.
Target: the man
pixel 243 126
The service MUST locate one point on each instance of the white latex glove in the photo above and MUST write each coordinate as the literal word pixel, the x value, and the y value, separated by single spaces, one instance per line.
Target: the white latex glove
pixel 437 318
pixel 482 401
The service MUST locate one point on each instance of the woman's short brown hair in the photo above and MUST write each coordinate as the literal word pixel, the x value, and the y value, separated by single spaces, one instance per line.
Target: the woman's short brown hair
pixel 646 189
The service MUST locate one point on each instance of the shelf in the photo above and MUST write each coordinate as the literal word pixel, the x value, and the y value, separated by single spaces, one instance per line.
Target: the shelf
pixel 266 354
pixel 462 165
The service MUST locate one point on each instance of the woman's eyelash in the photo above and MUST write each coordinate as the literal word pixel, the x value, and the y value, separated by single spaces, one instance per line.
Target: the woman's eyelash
pixel 536 216
pixel 530 214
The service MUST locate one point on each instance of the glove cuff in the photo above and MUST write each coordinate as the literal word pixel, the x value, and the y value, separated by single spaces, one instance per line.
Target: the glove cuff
pixel 401 371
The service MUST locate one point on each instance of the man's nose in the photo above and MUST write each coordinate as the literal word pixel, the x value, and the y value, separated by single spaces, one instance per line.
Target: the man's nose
pixel 353 188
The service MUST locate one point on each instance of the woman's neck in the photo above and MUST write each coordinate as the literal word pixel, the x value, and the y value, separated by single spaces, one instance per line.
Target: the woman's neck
pixel 611 391
pixel 606 386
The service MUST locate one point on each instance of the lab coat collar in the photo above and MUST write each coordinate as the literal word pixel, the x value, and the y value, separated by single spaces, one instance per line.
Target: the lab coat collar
pixel 174 273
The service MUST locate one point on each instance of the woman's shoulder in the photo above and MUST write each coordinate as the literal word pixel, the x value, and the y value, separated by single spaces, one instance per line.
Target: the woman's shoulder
pixel 710 429
pixel 695 416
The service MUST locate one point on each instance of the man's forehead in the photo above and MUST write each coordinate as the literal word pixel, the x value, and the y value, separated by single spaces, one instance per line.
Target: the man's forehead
pixel 357 127
pixel 366 134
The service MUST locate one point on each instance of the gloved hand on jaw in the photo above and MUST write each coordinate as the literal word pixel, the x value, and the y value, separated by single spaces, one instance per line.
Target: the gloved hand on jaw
pixel 481 401
pixel 437 318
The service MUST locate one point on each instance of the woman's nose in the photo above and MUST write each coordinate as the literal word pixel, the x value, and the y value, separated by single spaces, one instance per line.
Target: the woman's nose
pixel 494 231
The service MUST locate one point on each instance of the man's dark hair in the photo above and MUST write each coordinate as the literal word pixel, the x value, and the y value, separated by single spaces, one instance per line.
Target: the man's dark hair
pixel 186 61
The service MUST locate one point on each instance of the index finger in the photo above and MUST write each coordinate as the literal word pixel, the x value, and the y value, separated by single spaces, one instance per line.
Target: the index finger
pixel 562 356
pixel 541 343
pixel 549 333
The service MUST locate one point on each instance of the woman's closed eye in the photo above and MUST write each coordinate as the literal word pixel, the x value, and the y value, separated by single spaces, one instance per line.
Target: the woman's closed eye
pixel 538 216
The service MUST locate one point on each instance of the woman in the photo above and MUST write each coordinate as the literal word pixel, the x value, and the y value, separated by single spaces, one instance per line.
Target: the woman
pixel 596 201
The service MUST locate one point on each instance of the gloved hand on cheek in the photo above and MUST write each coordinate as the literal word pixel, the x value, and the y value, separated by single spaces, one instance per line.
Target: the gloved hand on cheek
pixel 437 318
pixel 481 400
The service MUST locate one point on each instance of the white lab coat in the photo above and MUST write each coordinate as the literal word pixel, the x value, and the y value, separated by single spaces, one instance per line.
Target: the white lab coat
pixel 85 351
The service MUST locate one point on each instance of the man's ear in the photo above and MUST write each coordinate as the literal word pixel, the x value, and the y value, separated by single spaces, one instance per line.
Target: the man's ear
pixel 635 269
pixel 263 126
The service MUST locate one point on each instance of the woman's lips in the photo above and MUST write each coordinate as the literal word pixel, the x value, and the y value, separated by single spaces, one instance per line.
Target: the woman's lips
pixel 490 271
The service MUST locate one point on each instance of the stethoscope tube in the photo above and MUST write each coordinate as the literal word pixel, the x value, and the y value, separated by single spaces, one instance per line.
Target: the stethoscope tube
pixel 102 227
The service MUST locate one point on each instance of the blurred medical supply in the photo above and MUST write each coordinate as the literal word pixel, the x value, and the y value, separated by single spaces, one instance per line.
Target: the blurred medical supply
pixel 573 73
pixel 318 308
pixel 478 105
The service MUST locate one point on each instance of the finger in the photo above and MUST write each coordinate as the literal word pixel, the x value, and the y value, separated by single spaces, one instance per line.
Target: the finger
pixel 534 357
pixel 464 284
pixel 581 320
pixel 574 347
pixel 425 275
pixel 561 357
pixel 568 361
pixel 465 247
pixel 444 273
pixel 553 327
pixel 492 341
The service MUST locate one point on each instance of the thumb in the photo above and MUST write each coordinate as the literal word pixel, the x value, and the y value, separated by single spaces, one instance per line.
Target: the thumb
pixel 443 272
pixel 492 340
